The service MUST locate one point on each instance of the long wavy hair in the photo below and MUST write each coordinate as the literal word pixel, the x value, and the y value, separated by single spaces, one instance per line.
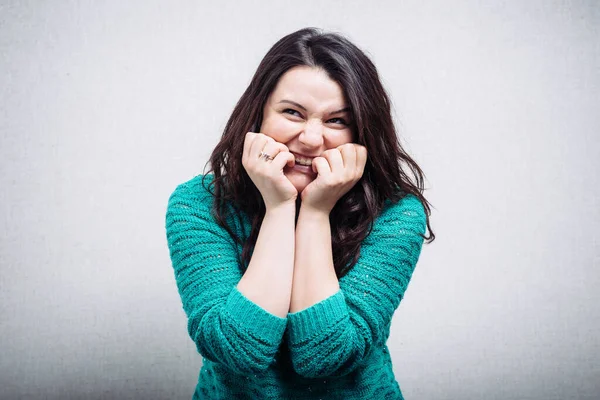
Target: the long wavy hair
pixel 383 178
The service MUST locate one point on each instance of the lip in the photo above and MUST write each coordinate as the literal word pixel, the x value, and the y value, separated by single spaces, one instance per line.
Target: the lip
pixel 302 169
pixel 305 169
pixel 302 155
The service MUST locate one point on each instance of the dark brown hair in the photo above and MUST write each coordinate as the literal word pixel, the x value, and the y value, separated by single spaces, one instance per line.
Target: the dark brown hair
pixel 383 179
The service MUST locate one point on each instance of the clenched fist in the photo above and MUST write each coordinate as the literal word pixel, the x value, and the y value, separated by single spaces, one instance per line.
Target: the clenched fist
pixel 267 174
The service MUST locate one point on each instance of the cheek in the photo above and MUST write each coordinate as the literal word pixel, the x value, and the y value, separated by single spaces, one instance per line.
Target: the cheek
pixel 339 138
pixel 279 128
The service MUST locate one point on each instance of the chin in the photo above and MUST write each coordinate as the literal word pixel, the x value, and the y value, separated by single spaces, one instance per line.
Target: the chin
pixel 299 180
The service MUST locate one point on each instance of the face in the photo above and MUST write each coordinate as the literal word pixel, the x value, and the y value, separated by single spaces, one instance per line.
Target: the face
pixel 308 113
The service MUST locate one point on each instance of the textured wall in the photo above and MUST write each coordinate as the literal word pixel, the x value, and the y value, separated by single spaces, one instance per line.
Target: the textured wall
pixel 106 106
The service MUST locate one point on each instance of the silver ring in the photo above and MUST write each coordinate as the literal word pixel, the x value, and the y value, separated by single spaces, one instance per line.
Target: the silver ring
pixel 265 156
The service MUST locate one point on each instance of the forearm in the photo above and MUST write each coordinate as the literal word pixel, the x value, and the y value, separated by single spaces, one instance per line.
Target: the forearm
pixel 314 277
pixel 268 279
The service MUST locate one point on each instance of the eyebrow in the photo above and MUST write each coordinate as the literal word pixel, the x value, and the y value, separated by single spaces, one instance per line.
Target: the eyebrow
pixel 304 108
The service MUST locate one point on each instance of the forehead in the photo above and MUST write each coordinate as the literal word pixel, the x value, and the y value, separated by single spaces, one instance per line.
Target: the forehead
pixel 309 85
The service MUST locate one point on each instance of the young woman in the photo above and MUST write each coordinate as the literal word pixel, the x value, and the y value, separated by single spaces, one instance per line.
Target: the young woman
pixel 293 252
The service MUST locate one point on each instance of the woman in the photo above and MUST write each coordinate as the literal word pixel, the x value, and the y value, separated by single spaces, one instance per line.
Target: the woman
pixel 293 253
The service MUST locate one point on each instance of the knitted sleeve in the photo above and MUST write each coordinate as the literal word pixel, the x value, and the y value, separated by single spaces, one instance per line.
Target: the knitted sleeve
pixel 226 326
pixel 333 337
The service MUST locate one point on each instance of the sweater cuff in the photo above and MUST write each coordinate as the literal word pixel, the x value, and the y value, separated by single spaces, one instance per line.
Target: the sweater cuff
pixel 256 319
pixel 317 318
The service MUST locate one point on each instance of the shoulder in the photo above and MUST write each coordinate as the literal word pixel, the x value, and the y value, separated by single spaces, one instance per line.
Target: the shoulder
pixel 409 209
pixel 195 190
pixel 404 220
pixel 189 209
pixel 399 229
pixel 190 201
pixel 193 200
pixel 190 216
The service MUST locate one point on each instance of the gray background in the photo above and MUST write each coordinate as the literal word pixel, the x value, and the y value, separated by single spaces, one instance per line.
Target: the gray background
pixel 106 106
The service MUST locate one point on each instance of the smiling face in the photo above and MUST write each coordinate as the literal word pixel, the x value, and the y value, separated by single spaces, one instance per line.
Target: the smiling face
pixel 308 113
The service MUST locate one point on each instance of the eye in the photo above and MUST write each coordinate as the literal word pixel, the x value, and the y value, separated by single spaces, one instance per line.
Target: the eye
pixel 292 112
pixel 340 121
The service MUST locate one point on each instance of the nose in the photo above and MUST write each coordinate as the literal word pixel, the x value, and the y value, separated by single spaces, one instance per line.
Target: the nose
pixel 312 136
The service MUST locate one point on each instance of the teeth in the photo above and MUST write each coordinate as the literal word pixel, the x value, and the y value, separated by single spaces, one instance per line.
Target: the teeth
pixel 304 161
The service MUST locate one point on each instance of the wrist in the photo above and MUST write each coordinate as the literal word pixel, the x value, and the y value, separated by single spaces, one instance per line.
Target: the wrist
pixel 281 208
pixel 309 211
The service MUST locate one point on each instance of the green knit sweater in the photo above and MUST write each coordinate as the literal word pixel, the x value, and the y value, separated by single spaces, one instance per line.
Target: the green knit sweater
pixel 334 349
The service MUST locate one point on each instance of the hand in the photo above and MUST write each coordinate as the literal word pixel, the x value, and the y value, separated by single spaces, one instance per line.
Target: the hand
pixel 267 175
pixel 338 171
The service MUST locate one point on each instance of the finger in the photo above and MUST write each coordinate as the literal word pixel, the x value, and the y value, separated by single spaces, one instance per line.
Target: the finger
pixel 336 162
pixel 361 159
pixel 291 161
pixel 247 145
pixel 258 145
pixel 272 148
pixel 320 165
pixel 282 159
pixel 348 152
